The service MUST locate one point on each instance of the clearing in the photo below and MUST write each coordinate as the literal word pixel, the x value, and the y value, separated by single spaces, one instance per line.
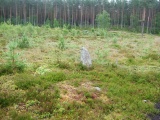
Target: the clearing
pixel 123 83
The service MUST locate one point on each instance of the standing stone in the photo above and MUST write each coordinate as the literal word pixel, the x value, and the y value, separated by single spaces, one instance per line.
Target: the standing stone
pixel 85 57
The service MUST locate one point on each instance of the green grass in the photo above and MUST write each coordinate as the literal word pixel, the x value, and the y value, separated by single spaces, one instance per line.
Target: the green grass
pixel 55 85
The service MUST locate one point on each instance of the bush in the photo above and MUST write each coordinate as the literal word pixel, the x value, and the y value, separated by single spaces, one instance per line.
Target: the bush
pixel 5 70
pixel 61 44
pixel 8 68
pixel 54 77
pixel 103 20
pixel 20 116
pixel 7 99
pixel 63 65
pixel 13 64
pixel 101 32
pixel 84 68
pixel 24 42
pixel 26 81
pixel 55 23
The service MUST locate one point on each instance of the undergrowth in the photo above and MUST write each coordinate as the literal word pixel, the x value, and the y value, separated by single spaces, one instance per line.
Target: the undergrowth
pixel 53 84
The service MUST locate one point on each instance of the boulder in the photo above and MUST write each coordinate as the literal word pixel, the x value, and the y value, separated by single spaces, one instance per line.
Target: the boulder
pixel 85 57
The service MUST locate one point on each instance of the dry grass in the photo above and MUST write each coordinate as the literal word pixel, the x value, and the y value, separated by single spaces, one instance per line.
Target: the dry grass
pixel 71 93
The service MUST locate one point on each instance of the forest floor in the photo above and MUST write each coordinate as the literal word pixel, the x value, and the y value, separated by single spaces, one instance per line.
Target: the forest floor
pixel 124 82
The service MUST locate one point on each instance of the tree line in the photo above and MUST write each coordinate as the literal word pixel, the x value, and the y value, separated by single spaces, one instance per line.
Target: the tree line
pixel 124 14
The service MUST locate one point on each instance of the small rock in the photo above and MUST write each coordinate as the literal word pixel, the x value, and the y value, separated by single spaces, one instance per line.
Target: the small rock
pixel 98 89
pixel 145 101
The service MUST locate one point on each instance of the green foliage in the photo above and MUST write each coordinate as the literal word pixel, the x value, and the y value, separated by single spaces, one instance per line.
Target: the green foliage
pixel 102 56
pixel 8 32
pixel 82 67
pixel 26 81
pixel 61 44
pixel 127 85
pixel 117 46
pixel 8 99
pixel 31 31
pixel 58 54
pixel 45 115
pixel 101 33
pixel 115 40
pixel 152 56
pixel 65 29
pixel 75 32
pixel 31 103
pixel 157 23
pixel 4 102
pixel 3 70
pixel 13 63
pixel 103 20
pixel 24 42
pixel 54 77
pixel 47 23
pixel 135 23
pixel 42 70
pixel 63 65
pixel 56 23
pixel 20 116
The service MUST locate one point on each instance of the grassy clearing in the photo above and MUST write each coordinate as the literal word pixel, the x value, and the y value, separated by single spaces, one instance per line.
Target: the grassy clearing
pixel 54 85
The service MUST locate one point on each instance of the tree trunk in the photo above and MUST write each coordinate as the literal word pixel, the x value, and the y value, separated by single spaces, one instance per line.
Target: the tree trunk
pixel 37 14
pixel 68 15
pixel 152 16
pixel 4 14
pixel 10 13
pixel 16 11
pixel 85 19
pixel 32 17
pixel 55 15
pixel 81 16
pixel 148 21
pixel 45 11
pixel 64 12
pixel 72 16
pixel 122 14
pixel 143 20
pixel 29 14
pixel 24 11
pixel 93 16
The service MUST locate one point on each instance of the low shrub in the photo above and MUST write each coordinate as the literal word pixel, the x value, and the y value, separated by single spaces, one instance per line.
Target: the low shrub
pixel 54 77
pixel 26 81
pixel 13 62
pixel 20 116
pixel 82 67
pixel 7 99
pixel 62 65
pixel 61 44
pixel 4 70
pixel 24 42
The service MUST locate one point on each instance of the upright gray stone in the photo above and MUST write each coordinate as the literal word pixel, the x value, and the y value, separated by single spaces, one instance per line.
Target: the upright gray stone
pixel 85 57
